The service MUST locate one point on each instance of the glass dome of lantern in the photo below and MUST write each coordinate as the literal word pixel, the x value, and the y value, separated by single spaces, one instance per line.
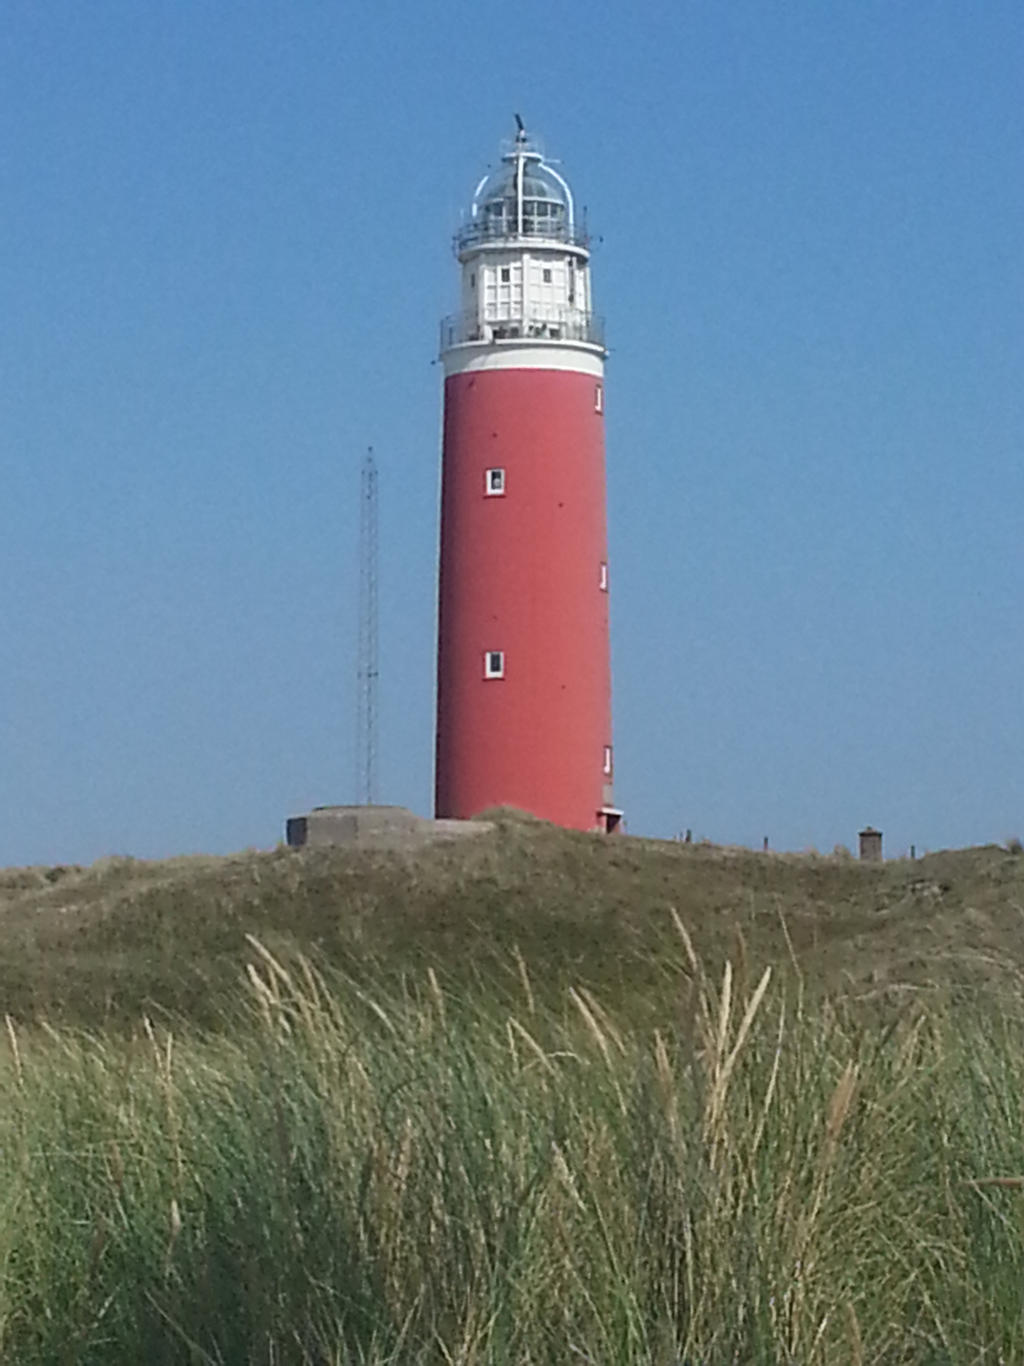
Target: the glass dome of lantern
pixel 524 198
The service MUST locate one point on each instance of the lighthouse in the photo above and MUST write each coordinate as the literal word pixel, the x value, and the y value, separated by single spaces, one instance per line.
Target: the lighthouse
pixel 524 676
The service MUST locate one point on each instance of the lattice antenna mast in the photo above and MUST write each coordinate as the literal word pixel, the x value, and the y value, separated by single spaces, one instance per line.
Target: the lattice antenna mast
pixel 367 662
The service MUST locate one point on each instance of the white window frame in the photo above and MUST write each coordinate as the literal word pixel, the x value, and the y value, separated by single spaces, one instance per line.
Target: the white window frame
pixel 489 490
pixel 602 577
pixel 607 761
pixel 494 664
pixel 598 398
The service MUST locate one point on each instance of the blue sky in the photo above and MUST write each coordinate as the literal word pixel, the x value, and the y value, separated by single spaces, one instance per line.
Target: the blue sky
pixel 224 251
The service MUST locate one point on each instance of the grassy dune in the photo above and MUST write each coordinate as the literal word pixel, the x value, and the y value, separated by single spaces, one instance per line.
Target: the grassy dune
pixel 100 945
pixel 541 1098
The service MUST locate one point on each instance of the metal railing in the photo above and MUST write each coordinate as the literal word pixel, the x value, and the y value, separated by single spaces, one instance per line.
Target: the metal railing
pixel 573 325
pixel 481 229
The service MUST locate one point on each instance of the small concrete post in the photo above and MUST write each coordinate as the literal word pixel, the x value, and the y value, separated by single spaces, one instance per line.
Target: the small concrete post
pixel 870 845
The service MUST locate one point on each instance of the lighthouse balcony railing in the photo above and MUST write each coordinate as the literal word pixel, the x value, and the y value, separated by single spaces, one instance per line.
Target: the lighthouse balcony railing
pixel 479 231
pixel 575 325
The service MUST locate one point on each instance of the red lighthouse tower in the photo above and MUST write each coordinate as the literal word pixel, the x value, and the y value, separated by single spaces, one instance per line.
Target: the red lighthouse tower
pixel 524 681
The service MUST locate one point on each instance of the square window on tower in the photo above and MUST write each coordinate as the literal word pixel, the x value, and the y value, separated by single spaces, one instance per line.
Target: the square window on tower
pixel 494 483
pixel 494 664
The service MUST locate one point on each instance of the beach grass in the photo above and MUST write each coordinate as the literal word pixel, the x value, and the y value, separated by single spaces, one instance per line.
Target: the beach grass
pixel 422 1170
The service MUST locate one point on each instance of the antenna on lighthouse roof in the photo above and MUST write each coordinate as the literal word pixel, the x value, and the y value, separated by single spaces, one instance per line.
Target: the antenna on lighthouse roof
pixel 520 129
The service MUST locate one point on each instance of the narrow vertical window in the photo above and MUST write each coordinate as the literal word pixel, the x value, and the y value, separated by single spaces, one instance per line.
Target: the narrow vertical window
pixel 472 280
pixel 602 578
pixel 598 398
pixel 506 275
pixel 608 760
pixel 494 665
pixel 547 277
pixel 494 483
